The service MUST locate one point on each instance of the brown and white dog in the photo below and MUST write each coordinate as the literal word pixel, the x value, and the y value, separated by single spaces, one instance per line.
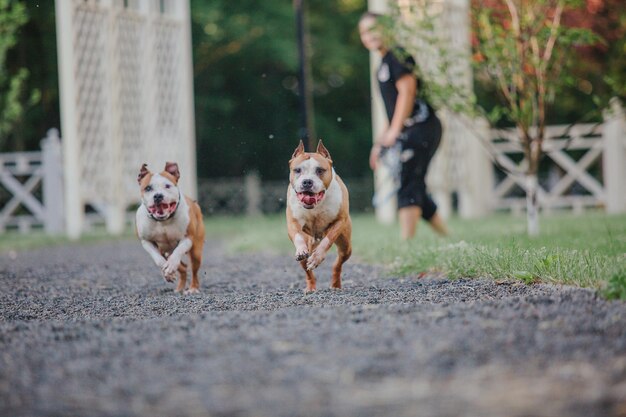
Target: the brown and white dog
pixel 170 225
pixel 317 212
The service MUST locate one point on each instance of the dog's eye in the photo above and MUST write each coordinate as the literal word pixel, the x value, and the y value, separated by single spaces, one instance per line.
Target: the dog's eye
pixel 320 171
pixel 167 186
pixel 148 188
pixel 297 170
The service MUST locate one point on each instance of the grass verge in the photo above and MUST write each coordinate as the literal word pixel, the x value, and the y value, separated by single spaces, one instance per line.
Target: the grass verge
pixel 12 241
pixel 586 250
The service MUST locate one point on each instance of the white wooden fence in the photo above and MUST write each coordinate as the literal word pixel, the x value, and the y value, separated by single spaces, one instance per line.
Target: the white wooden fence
pixel 563 173
pixel 571 154
pixel 32 191
pixel 34 182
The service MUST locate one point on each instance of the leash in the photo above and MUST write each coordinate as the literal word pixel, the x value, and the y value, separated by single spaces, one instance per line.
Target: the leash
pixel 390 158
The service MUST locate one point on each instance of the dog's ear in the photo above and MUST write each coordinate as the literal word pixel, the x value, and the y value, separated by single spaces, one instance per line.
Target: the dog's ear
pixel 299 151
pixel 172 168
pixel 321 149
pixel 142 172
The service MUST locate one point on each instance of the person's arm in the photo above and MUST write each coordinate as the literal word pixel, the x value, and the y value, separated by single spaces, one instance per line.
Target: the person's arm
pixel 407 87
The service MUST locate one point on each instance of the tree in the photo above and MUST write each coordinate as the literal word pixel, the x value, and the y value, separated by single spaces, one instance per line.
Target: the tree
pixel 528 50
pixel 522 48
pixel 12 102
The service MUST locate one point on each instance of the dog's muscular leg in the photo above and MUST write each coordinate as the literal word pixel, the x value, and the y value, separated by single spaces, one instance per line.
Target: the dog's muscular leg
pixel 310 278
pixel 344 250
pixel 332 234
pixel 318 255
pixel 182 281
pixel 158 259
pixel 173 261
pixel 196 260
pixel 302 247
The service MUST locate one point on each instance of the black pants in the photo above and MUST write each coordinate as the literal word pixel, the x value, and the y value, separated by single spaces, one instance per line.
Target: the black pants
pixel 419 143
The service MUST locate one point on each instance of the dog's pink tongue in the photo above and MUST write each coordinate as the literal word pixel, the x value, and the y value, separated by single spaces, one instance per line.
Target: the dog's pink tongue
pixel 309 199
pixel 160 209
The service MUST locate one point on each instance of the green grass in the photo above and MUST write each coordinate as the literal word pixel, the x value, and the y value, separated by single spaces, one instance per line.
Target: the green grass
pixel 587 250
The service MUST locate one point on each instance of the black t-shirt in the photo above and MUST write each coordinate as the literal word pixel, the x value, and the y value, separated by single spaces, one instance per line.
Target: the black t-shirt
pixel 390 70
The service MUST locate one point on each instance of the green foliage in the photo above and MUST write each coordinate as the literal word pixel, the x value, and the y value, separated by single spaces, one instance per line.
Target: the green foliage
pixel 12 17
pixel 526 63
pixel 616 286
pixel 419 29
pixel 12 103
pixel 531 70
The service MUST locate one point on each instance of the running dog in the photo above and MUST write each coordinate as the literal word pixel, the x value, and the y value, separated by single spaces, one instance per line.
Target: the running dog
pixel 170 225
pixel 317 213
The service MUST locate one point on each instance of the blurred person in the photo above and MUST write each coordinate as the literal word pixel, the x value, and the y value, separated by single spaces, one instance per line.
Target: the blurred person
pixel 413 128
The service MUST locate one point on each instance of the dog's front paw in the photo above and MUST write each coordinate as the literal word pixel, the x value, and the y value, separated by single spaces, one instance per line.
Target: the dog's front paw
pixel 315 259
pixel 168 277
pixel 192 291
pixel 170 267
pixel 301 255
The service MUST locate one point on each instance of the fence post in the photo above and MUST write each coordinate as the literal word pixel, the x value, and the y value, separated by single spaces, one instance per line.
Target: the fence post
pixel 475 198
pixel 73 204
pixel 252 185
pixel 52 165
pixel 383 185
pixel 614 158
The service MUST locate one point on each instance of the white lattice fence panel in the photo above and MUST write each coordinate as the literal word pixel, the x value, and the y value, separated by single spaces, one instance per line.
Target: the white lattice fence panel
pixel 167 36
pixel 16 193
pixel 126 94
pixel 93 100
pixel 131 34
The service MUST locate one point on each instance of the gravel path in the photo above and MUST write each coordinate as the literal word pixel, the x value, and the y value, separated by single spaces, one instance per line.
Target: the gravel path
pixel 93 330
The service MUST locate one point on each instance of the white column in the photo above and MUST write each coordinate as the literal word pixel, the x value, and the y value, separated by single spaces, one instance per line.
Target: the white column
pixel 184 12
pixel 254 197
pixel 52 165
pixel 115 207
pixel 189 113
pixel 614 158
pixel 476 194
pixel 383 186
pixel 74 212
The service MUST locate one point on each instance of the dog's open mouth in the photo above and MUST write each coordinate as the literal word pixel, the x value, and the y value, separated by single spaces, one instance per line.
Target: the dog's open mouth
pixel 162 210
pixel 310 199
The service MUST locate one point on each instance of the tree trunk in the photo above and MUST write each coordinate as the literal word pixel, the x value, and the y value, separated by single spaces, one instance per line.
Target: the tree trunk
pixel 532 204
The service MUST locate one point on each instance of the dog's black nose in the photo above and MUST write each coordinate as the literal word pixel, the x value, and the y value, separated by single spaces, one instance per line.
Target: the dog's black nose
pixel 158 198
pixel 307 184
